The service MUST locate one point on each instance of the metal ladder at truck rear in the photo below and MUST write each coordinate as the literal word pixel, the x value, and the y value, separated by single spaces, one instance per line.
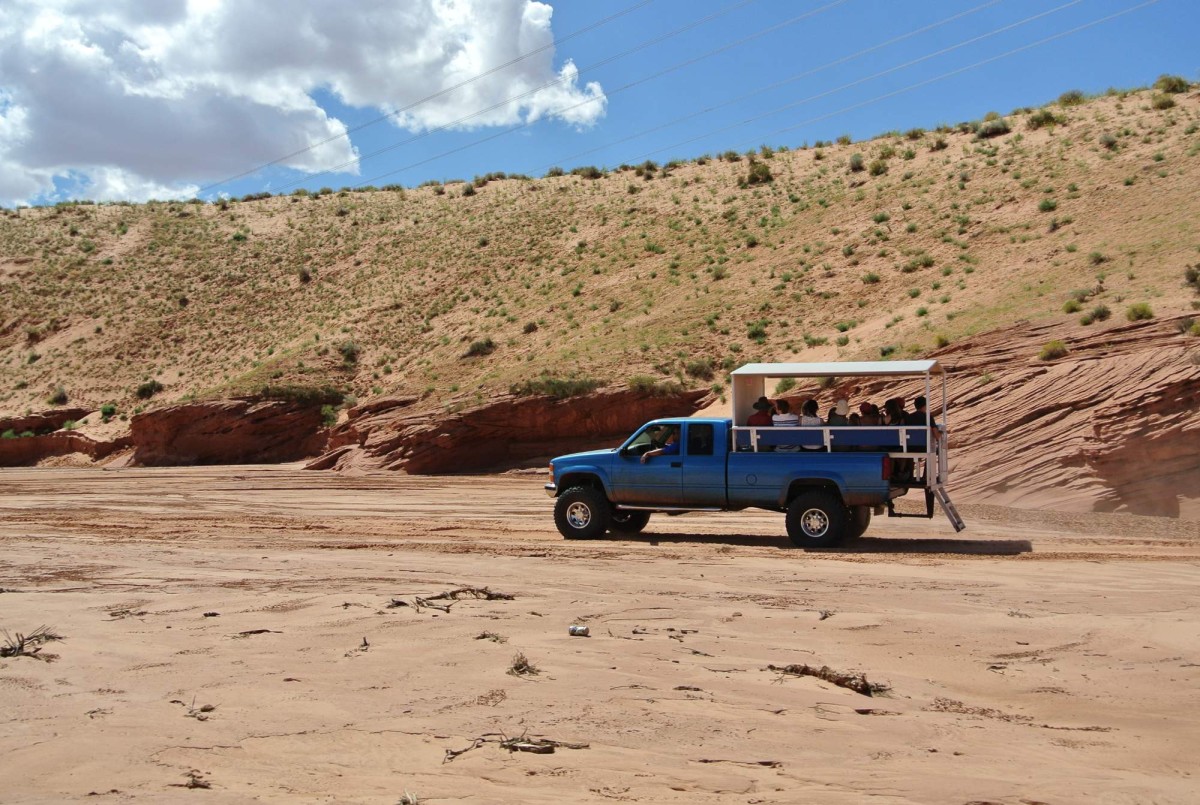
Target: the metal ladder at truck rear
pixel 939 492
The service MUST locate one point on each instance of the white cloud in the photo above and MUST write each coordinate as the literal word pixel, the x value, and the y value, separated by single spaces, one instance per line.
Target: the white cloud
pixel 153 98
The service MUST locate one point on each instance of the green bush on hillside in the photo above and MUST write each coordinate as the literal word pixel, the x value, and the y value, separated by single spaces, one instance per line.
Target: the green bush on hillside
pixel 1139 311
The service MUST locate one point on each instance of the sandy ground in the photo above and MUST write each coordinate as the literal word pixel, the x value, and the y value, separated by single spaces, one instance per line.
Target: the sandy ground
pixel 1035 658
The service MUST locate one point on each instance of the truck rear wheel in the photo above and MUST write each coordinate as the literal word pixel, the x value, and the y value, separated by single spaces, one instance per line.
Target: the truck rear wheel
pixel 582 512
pixel 857 521
pixel 628 522
pixel 816 519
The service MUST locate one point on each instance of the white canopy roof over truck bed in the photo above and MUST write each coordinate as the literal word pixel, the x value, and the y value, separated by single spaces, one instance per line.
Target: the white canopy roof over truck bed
pixel 749 381
pixel 840 369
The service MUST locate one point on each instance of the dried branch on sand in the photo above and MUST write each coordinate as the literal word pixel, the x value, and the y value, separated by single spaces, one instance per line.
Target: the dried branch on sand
pixel 29 645
pixel 426 602
pixel 855 682
pixel 521 666
pixel 522 743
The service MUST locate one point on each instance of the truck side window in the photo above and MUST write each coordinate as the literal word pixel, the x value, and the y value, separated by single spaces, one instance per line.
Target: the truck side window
pixel 700 440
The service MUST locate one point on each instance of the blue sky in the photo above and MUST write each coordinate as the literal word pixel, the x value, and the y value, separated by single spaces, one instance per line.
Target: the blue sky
pixel 1128 51
pixel 830 54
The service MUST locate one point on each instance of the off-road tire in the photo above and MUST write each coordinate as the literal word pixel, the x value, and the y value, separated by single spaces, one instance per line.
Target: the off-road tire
pixel 816 519
pixel 858 519
pixel 582 512
pixel 628 522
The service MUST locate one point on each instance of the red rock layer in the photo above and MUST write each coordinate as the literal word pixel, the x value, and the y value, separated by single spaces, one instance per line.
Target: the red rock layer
pixel 227 432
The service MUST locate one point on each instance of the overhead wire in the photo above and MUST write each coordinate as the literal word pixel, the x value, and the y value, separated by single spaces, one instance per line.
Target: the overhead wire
pixel 528 93
pixel 434 96
pixel 562 110
pixel 776 85
pixel 910 63
pixel 909 88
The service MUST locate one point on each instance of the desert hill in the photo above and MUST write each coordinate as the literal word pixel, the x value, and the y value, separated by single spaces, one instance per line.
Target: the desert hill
pixel 1074 222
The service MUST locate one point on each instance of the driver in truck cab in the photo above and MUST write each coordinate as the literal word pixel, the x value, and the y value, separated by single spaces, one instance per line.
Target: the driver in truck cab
pixel 670 447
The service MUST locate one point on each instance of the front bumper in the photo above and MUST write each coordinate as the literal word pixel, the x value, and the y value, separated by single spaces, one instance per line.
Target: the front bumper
pixel 551 490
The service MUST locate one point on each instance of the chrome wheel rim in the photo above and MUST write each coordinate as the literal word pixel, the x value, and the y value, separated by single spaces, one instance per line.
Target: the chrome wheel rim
pixel 579 515
pixel 814 523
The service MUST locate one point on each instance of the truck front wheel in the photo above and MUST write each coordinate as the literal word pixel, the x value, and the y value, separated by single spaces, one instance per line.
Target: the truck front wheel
pixel 628 522
pixel 816 519
pixel 582 512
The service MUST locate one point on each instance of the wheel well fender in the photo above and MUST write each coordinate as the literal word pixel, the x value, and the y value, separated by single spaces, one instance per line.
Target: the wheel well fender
pixel 582 477
pixel 797 486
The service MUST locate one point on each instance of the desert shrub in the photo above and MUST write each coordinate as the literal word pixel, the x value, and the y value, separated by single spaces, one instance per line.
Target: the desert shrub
pixel 148 389
pixel 995 127
pixel 1047 205
pixel 645 384
pixel 941 340
pixel 303 395
pixel 1172 83
pixel 1185 325
pixel 350 351
pixel 1108 140
pixel 1096 258
pixel 58 396
pixel 881 217
pixel 870 278
pixel 588 172
pixel 1100 313
pixel 760 173
pixel 914 134
pixel 484 346
pixel 329 415
pixel 556 387
pixel 785 385
pixel 1191 275
pixel 939 145
pixel 856 163
pixel 107 411
pixel 1042 118
pixel 757 330
pixel 555 171
pixel 844 139
pixel 1139 311
pixel 885 351
pixel 304 275
pixel 8 434
pixel 468 190
pixel 1071 306
pixel 1071 97
pixel 1053 350
pixel 731 156
pixel 530 327
pixel 1162 101
pixel 701 368
pixel 878 167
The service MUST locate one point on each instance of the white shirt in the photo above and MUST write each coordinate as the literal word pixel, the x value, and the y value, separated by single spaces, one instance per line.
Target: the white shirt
pixel 785 420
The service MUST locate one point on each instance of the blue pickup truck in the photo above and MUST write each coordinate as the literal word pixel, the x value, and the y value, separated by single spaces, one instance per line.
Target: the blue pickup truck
pixel 828 480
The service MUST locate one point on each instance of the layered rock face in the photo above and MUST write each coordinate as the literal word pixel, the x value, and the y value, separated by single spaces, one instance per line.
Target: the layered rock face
pixel 235 431
pixel 1114 425
pixel 505 430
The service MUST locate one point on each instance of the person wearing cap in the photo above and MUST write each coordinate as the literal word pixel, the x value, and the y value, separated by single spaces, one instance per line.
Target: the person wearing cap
pixel 761 417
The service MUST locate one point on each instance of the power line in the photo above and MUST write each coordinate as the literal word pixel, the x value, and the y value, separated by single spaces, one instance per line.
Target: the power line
pixel 776 85
pixel 648 43
pixel 434 96
pixel 609 94
pixel 910 63
pixel 909 88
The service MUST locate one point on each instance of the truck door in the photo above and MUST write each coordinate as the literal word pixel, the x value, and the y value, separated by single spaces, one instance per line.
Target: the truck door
pixel 658 482
pixel 703 480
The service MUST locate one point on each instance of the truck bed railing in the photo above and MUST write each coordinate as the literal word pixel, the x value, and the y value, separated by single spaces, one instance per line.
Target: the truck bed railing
pixel 900 441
